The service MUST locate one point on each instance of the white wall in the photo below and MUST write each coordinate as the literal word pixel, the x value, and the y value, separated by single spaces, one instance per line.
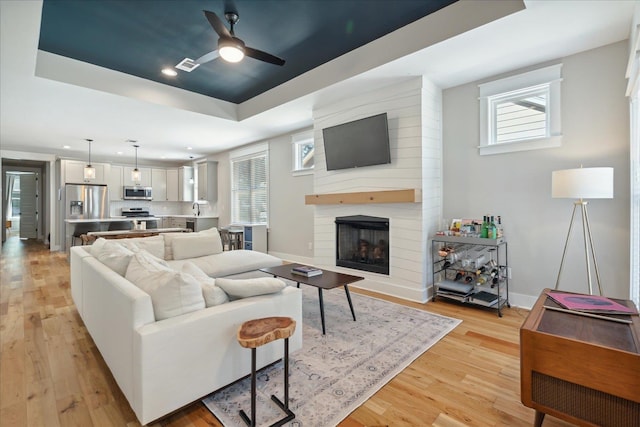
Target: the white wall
pixel 414 115
pixel 290 220
pixel 517 186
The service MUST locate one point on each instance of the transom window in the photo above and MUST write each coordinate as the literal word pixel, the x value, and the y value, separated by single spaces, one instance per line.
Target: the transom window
pixel 521 112
pixel 303 153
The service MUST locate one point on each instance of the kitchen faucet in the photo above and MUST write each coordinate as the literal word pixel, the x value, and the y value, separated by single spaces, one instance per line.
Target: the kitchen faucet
pixel 196 205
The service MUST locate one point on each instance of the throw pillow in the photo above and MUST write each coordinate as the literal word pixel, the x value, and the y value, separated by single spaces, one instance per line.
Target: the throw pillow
pixel 243 288
pixel 195 245
pixel 112 254
pixel 213 295
pixel 172 292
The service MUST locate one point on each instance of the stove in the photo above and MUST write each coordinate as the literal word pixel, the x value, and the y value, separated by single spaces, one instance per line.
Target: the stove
pixel 136 213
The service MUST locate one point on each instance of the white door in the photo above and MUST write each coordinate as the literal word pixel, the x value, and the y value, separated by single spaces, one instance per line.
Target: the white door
pixel 29 206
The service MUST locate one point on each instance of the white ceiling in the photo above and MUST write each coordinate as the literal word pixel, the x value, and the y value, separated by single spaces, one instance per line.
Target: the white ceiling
pixel 47 101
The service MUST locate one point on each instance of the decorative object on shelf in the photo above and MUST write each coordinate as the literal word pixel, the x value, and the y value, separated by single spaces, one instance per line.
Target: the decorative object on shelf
pixel 136 175
pixel 89 171
pixel 582 183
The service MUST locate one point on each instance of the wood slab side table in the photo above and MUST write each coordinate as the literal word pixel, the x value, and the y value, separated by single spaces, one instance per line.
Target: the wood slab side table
pixel 255 333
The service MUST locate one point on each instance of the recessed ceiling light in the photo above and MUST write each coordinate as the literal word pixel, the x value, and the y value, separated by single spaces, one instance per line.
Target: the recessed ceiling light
pixel 66 147
pixel 189 148
pixel 169 72
pixel 119 153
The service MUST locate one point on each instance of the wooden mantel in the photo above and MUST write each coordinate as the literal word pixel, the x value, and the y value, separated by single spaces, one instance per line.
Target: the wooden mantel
pixel 412 195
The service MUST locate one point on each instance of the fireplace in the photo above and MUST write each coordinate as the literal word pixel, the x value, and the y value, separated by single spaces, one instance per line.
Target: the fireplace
pixel 362 243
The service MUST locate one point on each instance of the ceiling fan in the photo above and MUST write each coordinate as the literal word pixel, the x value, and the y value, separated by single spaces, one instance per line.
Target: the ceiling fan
pixel 230 47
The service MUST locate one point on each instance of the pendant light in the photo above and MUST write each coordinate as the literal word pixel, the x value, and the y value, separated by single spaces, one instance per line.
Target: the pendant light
pixel 89 171
pixel 136 175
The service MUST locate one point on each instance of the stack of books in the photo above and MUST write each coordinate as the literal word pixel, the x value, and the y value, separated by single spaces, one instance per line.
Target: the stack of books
pixel 485 298
pixel 303 270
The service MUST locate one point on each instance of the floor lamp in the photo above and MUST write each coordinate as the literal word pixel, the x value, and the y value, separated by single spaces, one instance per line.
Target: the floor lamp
pixel 582 183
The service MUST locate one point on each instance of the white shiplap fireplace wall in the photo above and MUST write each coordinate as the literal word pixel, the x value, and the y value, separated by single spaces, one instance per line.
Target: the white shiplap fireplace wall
pixel 414 111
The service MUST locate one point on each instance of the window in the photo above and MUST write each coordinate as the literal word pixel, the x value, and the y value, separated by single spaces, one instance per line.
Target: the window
pixel 249 187
pixel 521 112
pixel 303 153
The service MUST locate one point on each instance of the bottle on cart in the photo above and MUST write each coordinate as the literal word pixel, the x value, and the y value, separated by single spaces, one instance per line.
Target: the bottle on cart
pixel 499 230
pixel 484 231
pixel 491 229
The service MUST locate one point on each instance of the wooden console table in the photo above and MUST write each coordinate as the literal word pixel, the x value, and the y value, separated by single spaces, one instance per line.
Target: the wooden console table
pixel 581 369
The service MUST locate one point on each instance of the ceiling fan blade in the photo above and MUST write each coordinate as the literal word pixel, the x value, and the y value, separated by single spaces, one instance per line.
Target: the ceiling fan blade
pixel 263 56
pixel 217 24
pixel 207 57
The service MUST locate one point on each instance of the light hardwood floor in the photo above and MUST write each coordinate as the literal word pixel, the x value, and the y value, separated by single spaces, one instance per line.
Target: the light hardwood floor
pixel 51 373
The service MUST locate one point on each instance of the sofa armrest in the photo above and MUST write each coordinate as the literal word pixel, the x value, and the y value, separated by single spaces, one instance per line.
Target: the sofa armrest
pixel 77 254
pixel 113 309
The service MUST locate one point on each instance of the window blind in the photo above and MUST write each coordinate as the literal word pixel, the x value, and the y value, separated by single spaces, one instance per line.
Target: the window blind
pixel 249 189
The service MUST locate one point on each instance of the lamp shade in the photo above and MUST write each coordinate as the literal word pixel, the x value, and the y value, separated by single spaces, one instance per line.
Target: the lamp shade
pixel 582 183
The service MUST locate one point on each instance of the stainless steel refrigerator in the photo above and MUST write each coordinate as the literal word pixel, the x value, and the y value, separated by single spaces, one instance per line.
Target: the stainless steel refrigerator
pixel 83 202
pixel 86 201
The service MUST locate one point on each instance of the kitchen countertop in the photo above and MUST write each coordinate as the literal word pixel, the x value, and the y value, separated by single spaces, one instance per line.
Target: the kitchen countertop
pixel 191 216
pixel 112 219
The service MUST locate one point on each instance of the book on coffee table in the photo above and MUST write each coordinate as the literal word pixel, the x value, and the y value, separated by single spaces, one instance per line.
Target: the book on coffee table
pixel 303 270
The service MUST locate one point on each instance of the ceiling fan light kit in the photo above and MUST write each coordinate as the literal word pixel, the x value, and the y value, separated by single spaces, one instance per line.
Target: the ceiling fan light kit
pixel 231 50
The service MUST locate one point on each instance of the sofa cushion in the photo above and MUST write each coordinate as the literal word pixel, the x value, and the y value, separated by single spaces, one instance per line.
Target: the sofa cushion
pixel 244 288
pixel 213 295
pixel 214 246
pixel 230 262
pixel 172 292
pixel 154 245
pixel 112 254
pixel 194 245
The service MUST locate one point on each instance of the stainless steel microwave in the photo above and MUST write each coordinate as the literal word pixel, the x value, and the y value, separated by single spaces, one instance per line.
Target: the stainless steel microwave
pixel 137 193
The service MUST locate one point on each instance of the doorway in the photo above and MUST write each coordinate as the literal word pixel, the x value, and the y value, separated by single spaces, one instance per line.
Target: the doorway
pixel 21 213
pixel 22 200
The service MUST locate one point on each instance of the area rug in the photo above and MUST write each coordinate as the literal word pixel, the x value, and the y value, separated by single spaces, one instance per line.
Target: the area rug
pixel 333 374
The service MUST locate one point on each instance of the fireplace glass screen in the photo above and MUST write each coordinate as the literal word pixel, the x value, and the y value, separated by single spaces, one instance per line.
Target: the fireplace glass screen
pixel 362 243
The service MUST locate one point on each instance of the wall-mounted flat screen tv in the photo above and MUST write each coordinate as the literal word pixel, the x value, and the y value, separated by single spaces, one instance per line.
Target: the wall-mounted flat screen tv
pixel 363 142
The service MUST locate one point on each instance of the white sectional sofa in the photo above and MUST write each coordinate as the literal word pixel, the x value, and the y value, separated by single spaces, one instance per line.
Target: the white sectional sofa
pixel 163 365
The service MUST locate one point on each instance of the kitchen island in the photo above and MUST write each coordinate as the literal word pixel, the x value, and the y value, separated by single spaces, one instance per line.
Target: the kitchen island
pixel 124 234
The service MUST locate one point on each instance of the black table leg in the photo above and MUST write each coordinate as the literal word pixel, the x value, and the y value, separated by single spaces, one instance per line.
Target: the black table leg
pixel 321 309
pixel 353 313
pixel 243 415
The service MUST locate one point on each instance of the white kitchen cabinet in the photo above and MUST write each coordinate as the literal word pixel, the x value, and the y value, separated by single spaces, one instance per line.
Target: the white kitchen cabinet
pixel 208 181
pixel 185 184
pixel 114 182
pixel 159 184
pixel 74 172
pixel 144 182
pixel 178 222
pixel 173 191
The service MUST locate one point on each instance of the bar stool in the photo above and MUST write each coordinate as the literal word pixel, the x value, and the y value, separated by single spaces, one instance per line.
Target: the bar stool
pixel 235 236
pixel 255 333
pixel 81 229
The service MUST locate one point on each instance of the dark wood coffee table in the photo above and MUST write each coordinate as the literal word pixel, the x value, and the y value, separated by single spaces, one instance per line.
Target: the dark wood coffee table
pixel 327 280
